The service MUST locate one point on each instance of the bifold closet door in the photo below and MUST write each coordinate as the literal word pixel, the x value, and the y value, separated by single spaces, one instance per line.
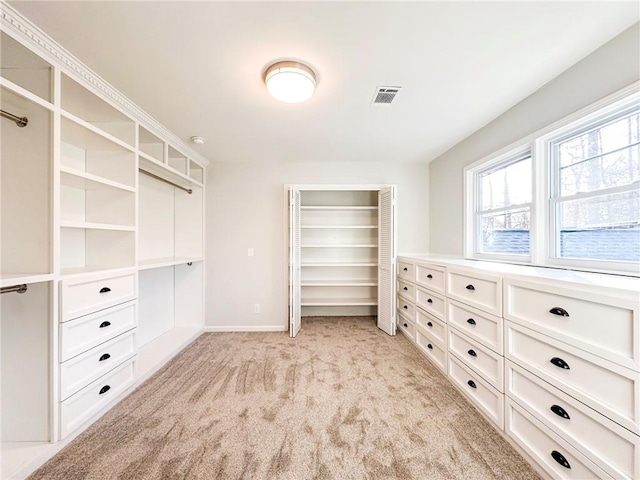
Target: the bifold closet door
pixel 386 261
pixel 294 262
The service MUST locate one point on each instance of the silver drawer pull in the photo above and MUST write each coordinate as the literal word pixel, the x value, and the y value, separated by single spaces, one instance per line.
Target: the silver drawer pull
pixel 558 362
pixel 561 312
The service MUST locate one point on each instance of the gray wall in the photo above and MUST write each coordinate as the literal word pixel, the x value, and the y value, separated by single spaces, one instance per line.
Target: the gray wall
pixel 612 67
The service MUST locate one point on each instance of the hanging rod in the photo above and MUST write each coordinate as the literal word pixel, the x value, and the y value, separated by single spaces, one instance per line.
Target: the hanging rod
pixel 20 121
pixel 15 288
pixel 188 190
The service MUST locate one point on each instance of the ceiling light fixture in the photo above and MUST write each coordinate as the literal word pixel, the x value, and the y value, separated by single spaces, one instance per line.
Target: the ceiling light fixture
pixel 290 81
pixel 197 140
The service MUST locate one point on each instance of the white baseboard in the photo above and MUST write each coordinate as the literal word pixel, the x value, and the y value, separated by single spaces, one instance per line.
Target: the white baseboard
pixel 246 328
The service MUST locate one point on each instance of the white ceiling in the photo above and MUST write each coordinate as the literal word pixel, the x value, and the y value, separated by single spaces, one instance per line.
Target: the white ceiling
pixel 197 67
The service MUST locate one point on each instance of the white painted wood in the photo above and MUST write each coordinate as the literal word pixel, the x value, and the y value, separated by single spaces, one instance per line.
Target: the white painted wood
pixel 406 271
pixel 431 277
pixel 407 307
pixel 156 219
pixel 479 290
pixel 156 303
pixel 386 260
pixel 407 326
pixel 433 349
pixel 189 290
pixel 189 223
pixel 295 254
pixel 407 290
pixel 437 328
pixel 431 302
pixel 482 360
pixel 481 326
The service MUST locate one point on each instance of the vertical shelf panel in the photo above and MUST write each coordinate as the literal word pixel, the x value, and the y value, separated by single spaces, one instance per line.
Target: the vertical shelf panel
pixel 156 219
pixel 188 295
pixel 156 303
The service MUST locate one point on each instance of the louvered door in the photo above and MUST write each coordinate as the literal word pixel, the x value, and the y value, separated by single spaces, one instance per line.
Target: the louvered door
pixel 294 262
pixel 386 260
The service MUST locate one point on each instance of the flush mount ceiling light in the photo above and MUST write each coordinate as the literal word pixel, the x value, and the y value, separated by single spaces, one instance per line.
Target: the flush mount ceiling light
pixel 197 140
pixel 290 81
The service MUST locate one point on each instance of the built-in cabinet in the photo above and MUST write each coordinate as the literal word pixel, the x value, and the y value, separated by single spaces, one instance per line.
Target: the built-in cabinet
pixel 550 357
pixel 102 237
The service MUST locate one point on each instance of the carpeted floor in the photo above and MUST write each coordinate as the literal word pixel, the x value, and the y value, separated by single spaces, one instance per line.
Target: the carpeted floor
pixel 341 401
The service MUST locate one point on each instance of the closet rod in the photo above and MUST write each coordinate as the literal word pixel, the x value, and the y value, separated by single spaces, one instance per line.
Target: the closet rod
pixel 20 121
pixel 15 288
pixel 188 190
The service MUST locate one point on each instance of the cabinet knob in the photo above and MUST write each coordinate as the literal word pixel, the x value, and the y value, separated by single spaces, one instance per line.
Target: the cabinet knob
pixel 558 457
pixel 561 412
pixel 472 384
pixel 471 321
pixel 558 362
pixel 405 269
pixel 104 357
pixel 429 324
pixel 104 389
pixel 429 276
pixel 561 312
pixel 405 325
pixel 470 287
pixel 105 324
pixel 472 353
pixel 429 346
pixel 105 290
pixel 429 301
pixel 405 307
pixel 405 288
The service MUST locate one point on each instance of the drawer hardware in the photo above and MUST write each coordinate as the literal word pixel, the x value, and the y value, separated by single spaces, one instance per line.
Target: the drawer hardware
pixel 558 457
pixel 405 269
pixel 470 287
pixel 429 346
pixel 561 412
pixel 429 276
pixel 405 289
pixel 104 389
pixel 558 362
pixel 105 290
pixel 472 384
pixel 405 307
pixel 104 357
pixel 405 325
pixel 472 353
pixel 105 324
pixel 429 301
pixel 561 312
pixel 429 324
pixel 471 321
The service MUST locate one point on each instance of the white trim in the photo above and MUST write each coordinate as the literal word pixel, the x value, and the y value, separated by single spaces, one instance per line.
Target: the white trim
pixel 245 328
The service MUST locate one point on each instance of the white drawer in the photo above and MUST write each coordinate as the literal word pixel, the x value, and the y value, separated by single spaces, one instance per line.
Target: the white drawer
pixel 79 408
pixel 604 325
pixel 434 350
pixel 407 290
pixel 607 387
pixel 481 326
pixel 484 396
pixel 80 371
pixel 541 443
pixel 431 277
pixel 479 290
pixel 431 302
pixel 613 448
pixel 407 327
pixel 81 296
pixel 437 328
pixel 406 271
pixel 84 333
pixel 487 363
pixel 407 308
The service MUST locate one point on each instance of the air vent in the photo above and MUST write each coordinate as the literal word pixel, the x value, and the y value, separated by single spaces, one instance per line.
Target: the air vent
pixel 384 96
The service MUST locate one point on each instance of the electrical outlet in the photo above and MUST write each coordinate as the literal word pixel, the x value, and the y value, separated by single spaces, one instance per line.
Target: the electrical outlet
pixel 256 308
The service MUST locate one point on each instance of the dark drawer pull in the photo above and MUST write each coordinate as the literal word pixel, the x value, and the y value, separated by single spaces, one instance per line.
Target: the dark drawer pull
pixel 105 290
pixel 472 353
pixel 104 324
pixel 471 321
pixel 405 325
pixel 405 307
pixel 429 324
pixel 470 287
pixel 429 346
pixel 558 457
pixel 429 301
pixel 561 312
pixel 405 289
pixel 558 362
pixel 472 384
pixel 104 389
pixel 405 269
pixel 561 412
pixel 104 357
pixel 429 276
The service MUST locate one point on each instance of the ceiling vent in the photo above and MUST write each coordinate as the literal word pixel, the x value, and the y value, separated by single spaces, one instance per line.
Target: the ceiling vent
pixel 384 96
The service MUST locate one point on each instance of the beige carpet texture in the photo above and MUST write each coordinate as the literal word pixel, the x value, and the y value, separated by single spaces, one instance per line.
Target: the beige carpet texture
pixel 343 400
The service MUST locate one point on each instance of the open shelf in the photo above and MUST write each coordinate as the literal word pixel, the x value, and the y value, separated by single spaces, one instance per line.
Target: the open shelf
pixel 338 207
pixel 151 165
pixel 177 160
pixel 166 262
pixel 340 283
pixel 344 264
pixel 24 68
pixel 87 181
pixel 340 226
pixel 150 145
pixel 97 226
pixel 196 172
pixel 338 302
pixel 8 280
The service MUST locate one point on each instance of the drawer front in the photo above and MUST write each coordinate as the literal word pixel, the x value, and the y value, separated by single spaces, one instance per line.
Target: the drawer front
pixel 82 296
pixel 541 443
pixel 431 277
pixel 407 290
pixel 478 290
pixel 406 271
pixel 488 364
pixel 605 386
pixel 605 326
pixel 437 328
pixel 82 334
pixel 483 395
pixel 481 326
pixel 79 408
pixel 432 349
pixel 407 327
pixel 613 448
pixel 431 302
pixel 80 371
pixel 406 308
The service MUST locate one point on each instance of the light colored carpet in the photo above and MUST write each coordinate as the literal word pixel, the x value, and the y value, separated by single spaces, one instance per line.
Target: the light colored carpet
pixel 341 401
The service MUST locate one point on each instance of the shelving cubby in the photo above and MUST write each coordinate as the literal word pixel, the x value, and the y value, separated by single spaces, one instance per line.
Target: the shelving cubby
pixel 196 171
pixel 150 145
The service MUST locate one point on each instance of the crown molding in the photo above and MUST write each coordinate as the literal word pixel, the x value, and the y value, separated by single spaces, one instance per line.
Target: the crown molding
pixel 19 27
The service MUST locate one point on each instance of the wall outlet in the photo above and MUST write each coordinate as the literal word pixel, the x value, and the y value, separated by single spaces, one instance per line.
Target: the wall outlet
pixel 256 308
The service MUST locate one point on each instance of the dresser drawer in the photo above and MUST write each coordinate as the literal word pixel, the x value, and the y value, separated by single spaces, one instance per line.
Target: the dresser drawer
pixel 484 396
pixel 79 408
pixel 80 371
pixel 607 387
pixel 433 350
pixel 407 326
pixel 479 290
pixel 481 326
pixel 406 308
pixel 84 333
pixel 487 363
pixel 603 325
pixel 547 448
pixel 406 271
pixel 431 277
pixel 437 328
pixel 613 448
pixel 407 290
pixel 431 302
pixel 87 295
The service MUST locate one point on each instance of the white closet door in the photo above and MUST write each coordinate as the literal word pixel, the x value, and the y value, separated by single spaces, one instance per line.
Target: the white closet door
pixel 386 260
pixel 294 262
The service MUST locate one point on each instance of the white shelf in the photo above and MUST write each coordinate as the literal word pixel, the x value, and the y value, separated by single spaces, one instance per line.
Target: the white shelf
pixel 338 207
pixel 151 165
pixel 340 283
pixel 165 262
pixel 87 181
pixel 340 226
pixel 339 246
pixel 98 226
pixel 153 355
pixel 350 264
pixel 90 269
pixel 88 140
pixel 8 280
pixel 338 302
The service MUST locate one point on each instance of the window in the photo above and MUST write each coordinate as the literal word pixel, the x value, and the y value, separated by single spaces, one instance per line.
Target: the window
pixel 568 195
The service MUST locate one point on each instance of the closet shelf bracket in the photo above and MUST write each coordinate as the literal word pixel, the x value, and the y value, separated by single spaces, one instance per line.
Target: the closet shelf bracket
pixel 20 121
pixel 14 288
